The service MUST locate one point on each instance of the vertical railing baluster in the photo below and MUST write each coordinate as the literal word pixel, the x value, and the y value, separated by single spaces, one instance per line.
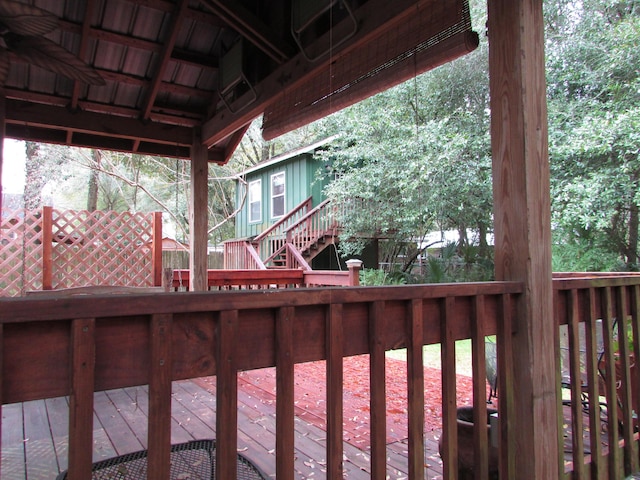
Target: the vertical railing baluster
pixel 635 374
pixel 506 404
pixel 479 366
pixel 610 385
pixel 576 385
pixel 160 372
pixel 449 410
pixel 227 396
pixel 593 385
pixel 377 382
pixel 335 384
pixel 83 359
pixel 558 312
pixel 624 390
pixel 285 443
pixel 415 384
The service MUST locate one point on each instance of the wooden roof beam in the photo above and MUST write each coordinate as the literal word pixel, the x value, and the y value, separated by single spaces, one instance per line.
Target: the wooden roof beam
pixel 371 17
pixel 45 116
pixel 192 58
pixel 82 51
pixel 250 27
pixel 165 57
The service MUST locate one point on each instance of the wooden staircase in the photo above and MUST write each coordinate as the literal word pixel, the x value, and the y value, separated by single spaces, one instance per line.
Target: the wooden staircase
pixel 292 242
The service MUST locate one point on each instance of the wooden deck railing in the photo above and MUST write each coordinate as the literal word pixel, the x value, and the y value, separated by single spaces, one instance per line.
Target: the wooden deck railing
pixel 269 279
pixel 316 224
pixel 77 345
pixel 602 317
pixel 272 239
pixel 241 254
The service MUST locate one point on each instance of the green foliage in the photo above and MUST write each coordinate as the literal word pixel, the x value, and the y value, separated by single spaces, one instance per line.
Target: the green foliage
pixel 373 277
pixel 594 134
pixel 415 159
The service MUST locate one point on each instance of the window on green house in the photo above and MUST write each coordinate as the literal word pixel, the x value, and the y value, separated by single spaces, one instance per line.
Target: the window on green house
pixel 277 195
pixel 255 201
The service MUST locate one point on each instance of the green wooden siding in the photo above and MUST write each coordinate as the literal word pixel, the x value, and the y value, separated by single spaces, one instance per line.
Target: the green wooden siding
pixel 300 184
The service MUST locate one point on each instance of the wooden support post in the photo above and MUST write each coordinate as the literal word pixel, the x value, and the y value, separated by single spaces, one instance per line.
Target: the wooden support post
pixel 198 216
pixel 156 252
pixel 522 222
pixel 354 265
pixel 47 248
pixel 83 358
pixel 159 431
pixel 285 386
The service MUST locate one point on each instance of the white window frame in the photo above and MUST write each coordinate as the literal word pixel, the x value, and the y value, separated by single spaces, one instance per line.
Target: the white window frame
pixel 283 194
pixel 252 201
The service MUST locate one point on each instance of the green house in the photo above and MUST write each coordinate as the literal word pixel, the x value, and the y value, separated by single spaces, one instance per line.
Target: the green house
pixel 272 189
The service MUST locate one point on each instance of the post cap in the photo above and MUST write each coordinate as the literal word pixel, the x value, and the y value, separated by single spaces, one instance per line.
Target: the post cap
pixel 354 263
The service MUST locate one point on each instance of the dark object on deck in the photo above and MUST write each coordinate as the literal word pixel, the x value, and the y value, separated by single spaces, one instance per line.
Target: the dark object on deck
pixel 492 368
pixel 464 416
pixel 193 460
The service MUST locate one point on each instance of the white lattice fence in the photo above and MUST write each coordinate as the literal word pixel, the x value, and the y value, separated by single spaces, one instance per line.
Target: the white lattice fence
pixel 101 248
pixel 20 252
pixel 51 248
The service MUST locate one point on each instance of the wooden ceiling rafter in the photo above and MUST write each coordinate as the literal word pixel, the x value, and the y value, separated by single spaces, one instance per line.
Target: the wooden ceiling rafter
pixel 167 6
pixel 256 32
pixel 199 60
pixel 371 16
pixel 44 116
pixel 82 51
pixel 186 117
pixel 234 141
pixel 165 57
pixel 176 88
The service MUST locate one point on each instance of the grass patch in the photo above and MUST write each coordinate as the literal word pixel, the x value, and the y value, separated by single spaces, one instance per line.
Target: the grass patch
pixel 431 356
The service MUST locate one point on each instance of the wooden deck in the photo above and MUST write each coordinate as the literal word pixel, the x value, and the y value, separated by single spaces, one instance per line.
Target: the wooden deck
pixel 35 433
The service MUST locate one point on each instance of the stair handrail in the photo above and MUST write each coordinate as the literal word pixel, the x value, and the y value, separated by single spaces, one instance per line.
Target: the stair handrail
pixel 273 237
pixel 305 205
pixel 317 223
pixel 241 254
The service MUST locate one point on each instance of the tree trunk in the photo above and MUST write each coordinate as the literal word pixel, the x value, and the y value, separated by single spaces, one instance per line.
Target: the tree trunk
pixel 632 250
pixel 34 178
pixel 92 196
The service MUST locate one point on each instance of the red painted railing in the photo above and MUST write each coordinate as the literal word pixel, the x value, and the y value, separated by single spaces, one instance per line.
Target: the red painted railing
pixel 79 345
pixel 250 279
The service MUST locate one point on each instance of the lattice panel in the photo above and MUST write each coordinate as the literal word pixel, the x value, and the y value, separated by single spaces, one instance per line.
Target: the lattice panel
pixel 102 248
pixel 20 252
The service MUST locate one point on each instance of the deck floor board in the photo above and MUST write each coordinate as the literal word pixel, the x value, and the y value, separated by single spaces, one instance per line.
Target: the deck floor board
pixel 35 434
pixel 38 432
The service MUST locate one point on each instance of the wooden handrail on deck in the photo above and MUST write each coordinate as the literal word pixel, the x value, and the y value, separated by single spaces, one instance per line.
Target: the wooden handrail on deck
pixel 265 279
pixel 78 345
pixel 602 316
pixel 158 338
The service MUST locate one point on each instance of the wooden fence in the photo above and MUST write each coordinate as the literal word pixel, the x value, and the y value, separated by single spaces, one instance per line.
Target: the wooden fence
pixel 250 279
pixel 52 249
pixel 79 345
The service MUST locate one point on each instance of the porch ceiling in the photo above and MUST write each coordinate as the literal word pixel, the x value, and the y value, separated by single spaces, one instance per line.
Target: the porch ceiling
pixel 168 74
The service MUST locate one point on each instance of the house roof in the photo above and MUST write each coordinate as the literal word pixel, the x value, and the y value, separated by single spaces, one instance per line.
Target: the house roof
pixel 288 155
pixel 179 71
